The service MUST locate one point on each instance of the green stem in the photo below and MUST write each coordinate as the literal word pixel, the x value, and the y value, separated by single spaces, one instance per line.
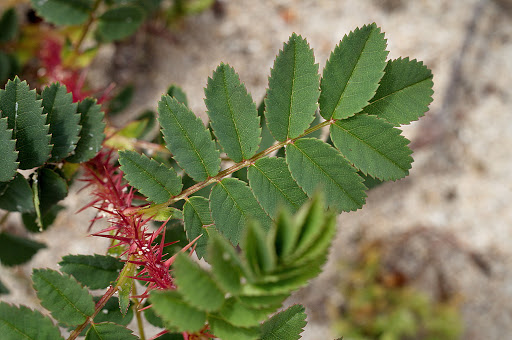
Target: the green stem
pixel 87 27
pixel 4 219
pixel 140 323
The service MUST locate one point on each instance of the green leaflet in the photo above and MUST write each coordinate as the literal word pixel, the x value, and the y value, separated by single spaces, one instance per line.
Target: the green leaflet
pixel 20 105
pixel 16 250
pixel 122 100
pixel 63 12
pixel 352 73
pixel 119 23
pixel 273 186
pixel 63 296
pixel 233 114
pixel 8 155
pixel 30 219
pixel 259 254
pixel 227 331
pixel 226 266
pixel 316 165
pixel 3 289
pixel 61 115
pixel 241 315
pixel 176 92
pixel 94 271
pixel 8 25
pixel 188 139
pixel 52 189
pixel 404 93
pixel 195 285
pixel 231 204
pixel 266 137
pixel 91 134
pixel 292 93
pixel 109 331
pixel 198 220
pixel 24 323
pixel 373 145
pixel 125 286
pixel 156 181
pixel 16 195
pixel 287 324
pixel 177 314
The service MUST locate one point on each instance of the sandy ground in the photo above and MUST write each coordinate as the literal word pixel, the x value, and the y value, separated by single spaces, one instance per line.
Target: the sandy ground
pixel 461 180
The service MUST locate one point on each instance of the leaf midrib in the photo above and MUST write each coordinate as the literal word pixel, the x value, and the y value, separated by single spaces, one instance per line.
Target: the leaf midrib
pixel 153 177
pixel 278 188
pixel 400 90
pixel 231 111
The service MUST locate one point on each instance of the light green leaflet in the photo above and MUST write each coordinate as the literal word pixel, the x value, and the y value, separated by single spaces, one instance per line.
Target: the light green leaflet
pixel 292 93
pixel 8 155
pixel 352 73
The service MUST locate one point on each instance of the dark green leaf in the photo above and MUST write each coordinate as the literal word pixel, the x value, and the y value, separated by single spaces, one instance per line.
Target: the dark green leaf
pixel 195 284
pixel 16 195
pixel 91 134
pixel 5 67
pixel 63 12
pixel 52 189
pixel 119 23
pixel 231 204
pixel 111 313
pixel 188 139
pixel 373 145
pixel 317 166
pixel 95 271
pixel 152 318
pixel 156 181
pixel 177 314
pixel 121 100
pixel 63 119
pixel 177 93
pixel 109 331
pixel 198 220
pixel 47 219
pixel 233 114
pixel 287 324
pixel 8 25
pixel 3 289
pixel 292 93
pixel 226 331
pixel 16 250
pixel 8 155
pixel 23 323
pixel 369 181
pixel 352 73
pixel 274 187
pixel 20 105
pixel 63 296
pixel 404 93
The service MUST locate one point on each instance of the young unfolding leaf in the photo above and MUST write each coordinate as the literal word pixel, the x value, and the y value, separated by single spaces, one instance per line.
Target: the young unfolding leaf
pixel 63 296
pixel 231 204
pixel 259 254
pixel 109 331
pixel 317 166
pixel 156 181
pixel 120 22
pixel 198 220
pixel 273 186
pixel 188 139
pixel 175 312
pixel 24 323
pixel 352 73
pixel 292 93
pixel 287 324
pixel 16 195
pixel 8 155
pixel 24 116
pixel 91 134
pixel 404 93
pixel 16 250
pixel 63 12
pixel 63 119
pixel 95 271
pixel 233 114
pixel 373 145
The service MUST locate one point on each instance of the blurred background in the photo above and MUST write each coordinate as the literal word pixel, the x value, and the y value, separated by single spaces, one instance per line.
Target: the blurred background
pixel 429 256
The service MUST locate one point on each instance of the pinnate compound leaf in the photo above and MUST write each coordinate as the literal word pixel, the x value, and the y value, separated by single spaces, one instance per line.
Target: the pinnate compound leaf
pixel 16 195
pixel 153 179
pixel 63 296
pixel 24 116
pixel 287 324
pixel 188 139
pixel 292 93
pixel 233 114
pixel 16 250
pixel 232 203
pixel 198 220
pixel 274 187
pixel 63 119
pixel 227 331
pixel 404 93
pixel 91 134
pixel 109 331
pixel 8 155
pixel 175 312
pixel 373 145
pixel 63 12
pixel 352 73
pixel 23 323
pixel 94 271
pixel 196 285
pixel 119 23
pixel 316 165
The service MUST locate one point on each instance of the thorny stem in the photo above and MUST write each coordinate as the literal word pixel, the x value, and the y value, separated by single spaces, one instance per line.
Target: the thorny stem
pixel 235 167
